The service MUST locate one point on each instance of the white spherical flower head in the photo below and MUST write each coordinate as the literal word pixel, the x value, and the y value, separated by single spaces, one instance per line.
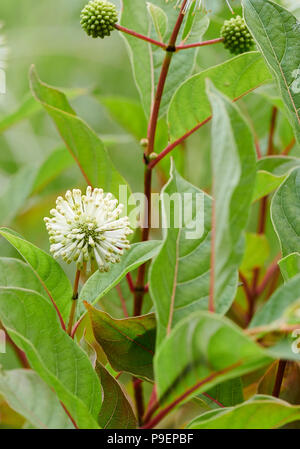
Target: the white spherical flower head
pixel 86 228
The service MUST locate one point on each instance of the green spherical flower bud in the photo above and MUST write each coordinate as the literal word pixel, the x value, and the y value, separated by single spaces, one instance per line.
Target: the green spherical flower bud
pixel 237 37
pixel 98 18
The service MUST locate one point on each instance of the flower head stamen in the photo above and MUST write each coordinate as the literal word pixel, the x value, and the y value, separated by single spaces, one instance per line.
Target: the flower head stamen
pixel 86 228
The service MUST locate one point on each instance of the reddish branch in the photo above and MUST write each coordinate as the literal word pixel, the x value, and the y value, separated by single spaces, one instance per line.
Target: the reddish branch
pixel 272 131
pixel 200 44
pixel 130 282
pixel 289 147
pixel 140 284
pixel 279 378
pixel 273 268
pixel 140 36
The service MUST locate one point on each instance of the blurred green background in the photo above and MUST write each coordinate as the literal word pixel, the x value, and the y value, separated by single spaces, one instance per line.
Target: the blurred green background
pixel 47 33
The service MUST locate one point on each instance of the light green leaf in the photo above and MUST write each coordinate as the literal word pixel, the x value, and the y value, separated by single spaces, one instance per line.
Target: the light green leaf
pixel 290 266
pixel 82 142
pixel 33 325
pixel 30 107
pixel 116 411
pixel 273 312
pixel 16 273
pixel 234 170
pixel 180 274
pixel 131 116
pixel 127 113
pixel 129 343
pixel 198 354
pixel 58 161
pixel 13 199
pixel 28 395
pixel 160 20
pixel 46 269
pixel 147 59
pixel 101 283
pixel 285 212
pixel 265 184
pixel 256 254
pixel 277 33
pixel 261 412
pixel 271 172
pixel 234 78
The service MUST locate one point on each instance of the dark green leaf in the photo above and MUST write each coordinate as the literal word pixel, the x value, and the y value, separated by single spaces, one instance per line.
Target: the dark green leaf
pixel 116 411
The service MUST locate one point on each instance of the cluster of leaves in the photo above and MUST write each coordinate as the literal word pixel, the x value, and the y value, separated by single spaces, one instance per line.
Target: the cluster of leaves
pixel 216 334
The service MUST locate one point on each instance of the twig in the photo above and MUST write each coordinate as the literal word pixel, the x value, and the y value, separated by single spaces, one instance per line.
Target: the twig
pixel 139 399
pixel 139 290
pixel 200 44
pixel 272 131
pixel 279 378
pixel 130 282
pixel 140 36
pixel 268 276
pixel 151 133
pixel 289 147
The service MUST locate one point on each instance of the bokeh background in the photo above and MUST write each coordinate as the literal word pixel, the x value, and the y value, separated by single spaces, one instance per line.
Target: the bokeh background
pixel 47 33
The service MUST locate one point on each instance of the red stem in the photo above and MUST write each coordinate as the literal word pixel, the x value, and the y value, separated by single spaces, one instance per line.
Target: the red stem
pixel 139 399
pixel 130 282
pixel 177 142
pixel 139 289
pixel 140 36
pixel 279 378
pixel 272 130
pixel 268 276
pixel 140 284
pixel 289 147
pixel 200 44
